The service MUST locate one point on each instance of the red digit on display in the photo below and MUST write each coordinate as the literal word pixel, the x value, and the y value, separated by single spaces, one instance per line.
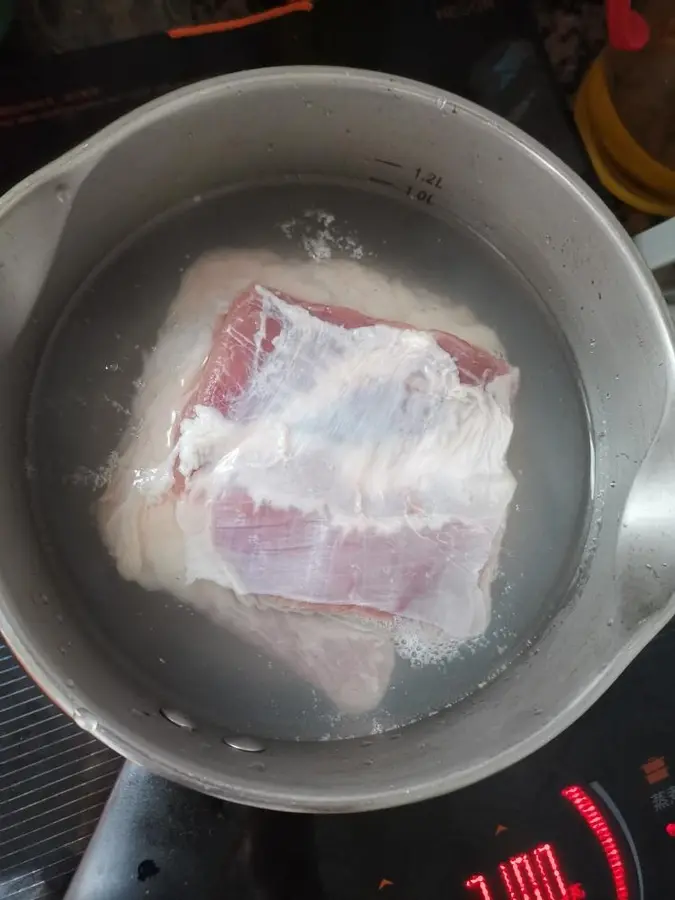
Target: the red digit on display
pixel 479 884
pixel 505 872
pixel 528 883
pixel 528 876
pixel 549 871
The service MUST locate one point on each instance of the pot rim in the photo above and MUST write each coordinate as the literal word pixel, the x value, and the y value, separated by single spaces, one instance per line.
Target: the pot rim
pixel 251 790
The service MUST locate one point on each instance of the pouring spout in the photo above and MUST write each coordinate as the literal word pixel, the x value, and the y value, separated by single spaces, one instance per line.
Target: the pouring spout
pixel 646 546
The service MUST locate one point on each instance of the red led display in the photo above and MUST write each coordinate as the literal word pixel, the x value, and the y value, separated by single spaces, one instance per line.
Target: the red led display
pixel 537 875
pixel 598 825
pixel 529 876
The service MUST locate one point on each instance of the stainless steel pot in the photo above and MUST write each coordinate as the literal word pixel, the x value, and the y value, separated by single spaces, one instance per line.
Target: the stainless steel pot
pixel 58 224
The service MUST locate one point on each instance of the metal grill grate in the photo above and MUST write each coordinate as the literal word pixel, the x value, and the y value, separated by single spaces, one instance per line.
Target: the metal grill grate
pixel 54 781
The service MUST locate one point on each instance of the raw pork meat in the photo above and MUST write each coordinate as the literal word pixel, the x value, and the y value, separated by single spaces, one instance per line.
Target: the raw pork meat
pixel 308 473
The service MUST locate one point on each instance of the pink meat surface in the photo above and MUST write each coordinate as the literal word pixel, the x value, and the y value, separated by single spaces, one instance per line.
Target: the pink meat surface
pixel 230 363
pixel 396 552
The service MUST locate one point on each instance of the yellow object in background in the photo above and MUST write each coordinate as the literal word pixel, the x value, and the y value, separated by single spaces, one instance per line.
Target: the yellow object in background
pixel 625 112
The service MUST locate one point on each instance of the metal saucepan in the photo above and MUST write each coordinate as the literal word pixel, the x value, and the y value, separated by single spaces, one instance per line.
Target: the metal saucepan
pixel 583 596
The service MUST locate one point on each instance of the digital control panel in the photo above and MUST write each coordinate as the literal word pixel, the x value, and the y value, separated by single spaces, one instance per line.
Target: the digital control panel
pixel 549 870
pixel 591 816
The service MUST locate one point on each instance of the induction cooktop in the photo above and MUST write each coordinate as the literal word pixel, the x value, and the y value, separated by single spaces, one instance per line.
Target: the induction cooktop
pixel 590 816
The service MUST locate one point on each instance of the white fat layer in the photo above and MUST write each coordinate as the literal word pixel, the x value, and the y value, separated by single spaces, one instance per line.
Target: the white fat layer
pixel 383 419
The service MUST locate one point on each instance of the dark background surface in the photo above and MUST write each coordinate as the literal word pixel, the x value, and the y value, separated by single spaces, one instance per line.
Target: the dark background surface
pixel 58 100
pixel 163 842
